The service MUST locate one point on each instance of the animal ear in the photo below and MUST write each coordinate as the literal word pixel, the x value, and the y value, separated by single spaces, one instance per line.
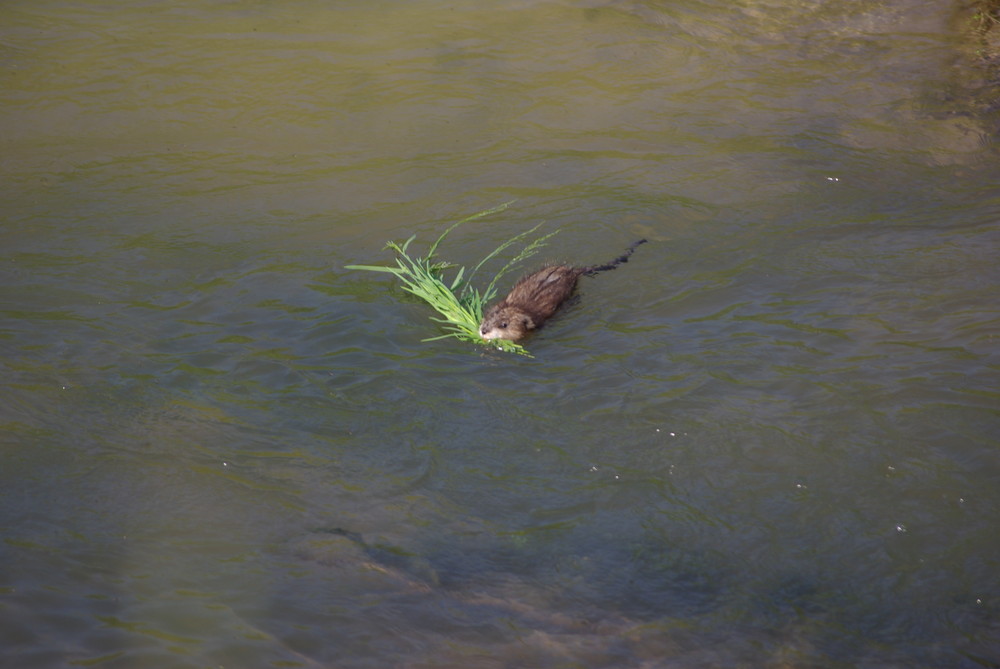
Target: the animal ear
pixel 528 324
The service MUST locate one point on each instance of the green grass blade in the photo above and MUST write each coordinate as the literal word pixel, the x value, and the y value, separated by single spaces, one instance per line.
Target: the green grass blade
pixel 374 268
pixel 486 212
pixel 526 253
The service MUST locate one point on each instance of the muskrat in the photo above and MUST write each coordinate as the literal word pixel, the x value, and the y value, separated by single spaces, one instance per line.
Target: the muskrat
pixel 536 297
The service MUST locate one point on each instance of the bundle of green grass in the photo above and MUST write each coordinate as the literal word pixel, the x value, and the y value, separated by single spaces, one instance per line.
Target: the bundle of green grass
pixel 457 300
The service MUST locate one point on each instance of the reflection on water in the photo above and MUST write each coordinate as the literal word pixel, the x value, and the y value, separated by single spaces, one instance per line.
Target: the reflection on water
pixel 768 440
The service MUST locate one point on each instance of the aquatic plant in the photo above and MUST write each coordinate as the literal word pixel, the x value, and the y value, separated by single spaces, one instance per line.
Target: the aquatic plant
pixel 457 300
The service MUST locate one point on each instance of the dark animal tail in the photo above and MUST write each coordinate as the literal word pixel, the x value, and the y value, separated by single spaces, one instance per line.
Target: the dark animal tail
pixel 591 271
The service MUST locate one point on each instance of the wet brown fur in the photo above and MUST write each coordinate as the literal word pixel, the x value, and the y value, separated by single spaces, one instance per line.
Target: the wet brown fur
pixel 536 297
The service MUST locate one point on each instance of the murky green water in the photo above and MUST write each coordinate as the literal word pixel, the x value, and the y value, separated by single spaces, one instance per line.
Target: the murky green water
pixel 770 440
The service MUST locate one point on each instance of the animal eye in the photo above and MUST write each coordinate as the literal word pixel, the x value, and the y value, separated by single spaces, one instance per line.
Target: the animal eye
pixel 503 326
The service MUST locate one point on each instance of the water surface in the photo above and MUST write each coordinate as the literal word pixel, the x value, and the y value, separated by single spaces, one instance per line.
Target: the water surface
pixel 768 440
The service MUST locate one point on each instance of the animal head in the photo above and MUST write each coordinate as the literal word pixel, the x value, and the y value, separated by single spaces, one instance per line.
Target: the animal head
pixel 506 323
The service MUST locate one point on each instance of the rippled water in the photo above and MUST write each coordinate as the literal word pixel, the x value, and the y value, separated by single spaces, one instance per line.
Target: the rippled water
pixel 768 440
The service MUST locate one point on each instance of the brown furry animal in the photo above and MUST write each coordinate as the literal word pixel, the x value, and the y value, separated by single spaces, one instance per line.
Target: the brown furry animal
pixel 536 297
